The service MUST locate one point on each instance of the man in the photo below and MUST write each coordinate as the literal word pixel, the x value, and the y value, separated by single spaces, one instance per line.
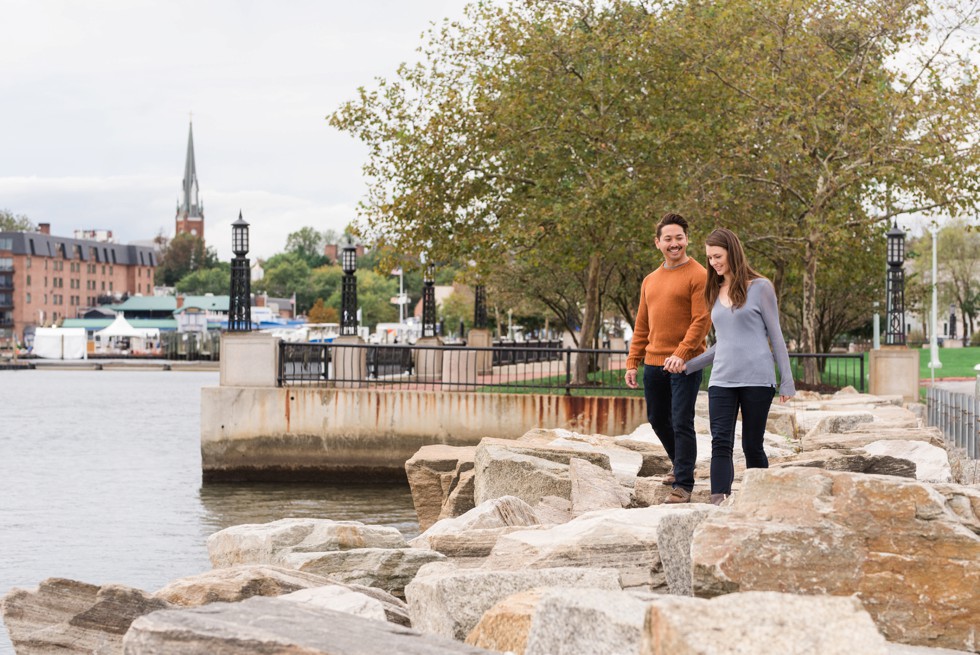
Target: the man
pixel 672 321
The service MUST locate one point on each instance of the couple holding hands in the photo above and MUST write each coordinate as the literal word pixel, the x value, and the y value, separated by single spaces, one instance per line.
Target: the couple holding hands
pixel 679 302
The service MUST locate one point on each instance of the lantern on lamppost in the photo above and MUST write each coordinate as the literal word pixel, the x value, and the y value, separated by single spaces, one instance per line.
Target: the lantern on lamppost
pixel 429 301
pixel 895 287
pixel 348 291
pixel 480 307
pixel 240 298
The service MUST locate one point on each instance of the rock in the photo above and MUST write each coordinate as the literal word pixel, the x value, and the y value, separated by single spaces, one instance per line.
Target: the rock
pixel 472 544
pixel 447 601
pixel 529 472
pixel 782 421
pixel 340 599
pixel 674 544
pixel 553 509
pixel 271 543
pixel 385 568
pixel 236 583
pixel 853 461
pixel 865 434
pixel 430 472
pixel 595 488
pixel 460 499
pixel 931 462
pixel 624 463
pixel 761 623
pixel 821 422
pixel 507 511
pixel 275 626
pixel 624 540
pixel 909 550
pixel 605 623
pixel 505 626
pixel 654 457
pixel 66 616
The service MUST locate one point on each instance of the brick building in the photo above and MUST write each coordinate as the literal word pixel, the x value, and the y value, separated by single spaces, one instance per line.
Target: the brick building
pixel 45 278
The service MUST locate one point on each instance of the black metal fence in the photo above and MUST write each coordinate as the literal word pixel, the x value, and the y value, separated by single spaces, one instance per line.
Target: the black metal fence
pixel 541 367
pixel 958 416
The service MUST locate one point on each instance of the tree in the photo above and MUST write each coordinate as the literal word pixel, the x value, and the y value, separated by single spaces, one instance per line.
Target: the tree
pixel 9 222
pixel 456 309
pixel 533 133
pixel 307 243
pixel 958 260
pixel 183 254
pixel 208 280
pixel 286 274
pixel 320 313
pixel 843 116
pixel 374 293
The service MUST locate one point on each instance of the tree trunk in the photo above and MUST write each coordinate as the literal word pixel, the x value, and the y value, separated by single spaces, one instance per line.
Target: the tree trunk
pixel 590 321
pixel 808 336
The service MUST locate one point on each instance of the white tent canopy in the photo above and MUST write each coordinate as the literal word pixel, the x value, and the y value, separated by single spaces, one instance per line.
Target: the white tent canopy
pixel 115 335
pixel 119 328
pixel 59 343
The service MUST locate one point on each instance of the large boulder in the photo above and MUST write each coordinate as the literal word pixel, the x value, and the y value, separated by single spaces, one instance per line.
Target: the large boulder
pixel 448 601
pixel 275 626
pixel 624 540
pixel 605 623
pixel 864 434
pixel 340 599
pixel 761 623
pixel 674 539
pixel 70 617
pixel 595 488
pixel 529 471
pixel 236 583
pixel 503 512
pixel 431 471
pixel 271 543
pixel 853 461
pixel 389 569
pixel 931 461
pixel 909 550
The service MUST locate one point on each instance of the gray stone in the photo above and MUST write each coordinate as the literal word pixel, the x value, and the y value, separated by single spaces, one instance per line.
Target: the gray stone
pixel 271 543
pixel 69 617
pixel 460 498
pixel 852 461
pixel 503 512
pixel 275 626
pixel 931 462
pixel 554 510
pixel 385 568
pixel 605 623
pixel 340 599
pixel 761 623
pixel 624 540
pixel 430 472
pixel 447 601
pixel 595 488
pixel 503 471
pixel 674 543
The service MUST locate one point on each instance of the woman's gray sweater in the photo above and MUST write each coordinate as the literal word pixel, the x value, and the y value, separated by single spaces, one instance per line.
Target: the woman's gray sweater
pixel 748 342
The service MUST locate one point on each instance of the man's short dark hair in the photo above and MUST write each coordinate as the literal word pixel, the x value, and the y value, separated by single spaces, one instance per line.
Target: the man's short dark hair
pixel 671 218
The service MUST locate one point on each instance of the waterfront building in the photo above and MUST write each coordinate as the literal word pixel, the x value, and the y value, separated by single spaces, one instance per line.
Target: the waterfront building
pixel 46 278
pixel 190 207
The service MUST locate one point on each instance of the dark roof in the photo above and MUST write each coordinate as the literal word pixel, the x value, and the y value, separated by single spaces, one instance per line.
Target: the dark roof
pixel 36 244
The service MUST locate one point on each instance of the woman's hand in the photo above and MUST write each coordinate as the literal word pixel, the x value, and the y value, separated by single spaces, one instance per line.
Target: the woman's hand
pixel 674 364
pixel 784 399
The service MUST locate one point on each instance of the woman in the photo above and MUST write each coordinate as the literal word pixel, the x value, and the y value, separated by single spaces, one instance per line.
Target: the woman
pixel 748 342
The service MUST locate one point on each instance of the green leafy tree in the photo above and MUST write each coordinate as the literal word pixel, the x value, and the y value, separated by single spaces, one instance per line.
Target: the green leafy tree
pixel 308 244
pixel 286 274
pixel 458 307
pixel 183 254
pixel 374 293
pixel 9 222
pixel 209 280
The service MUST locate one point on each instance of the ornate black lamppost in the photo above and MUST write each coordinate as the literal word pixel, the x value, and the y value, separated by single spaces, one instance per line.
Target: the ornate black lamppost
pixel 895 291
pixel 480 307
pixel 429 302
pixel 240 299
pixel 348 291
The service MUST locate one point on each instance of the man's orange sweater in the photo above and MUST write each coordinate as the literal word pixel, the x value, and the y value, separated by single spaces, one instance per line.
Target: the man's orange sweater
pixel 672 318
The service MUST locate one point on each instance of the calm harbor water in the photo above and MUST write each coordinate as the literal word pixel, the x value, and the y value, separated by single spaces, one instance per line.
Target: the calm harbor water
pixel 100 481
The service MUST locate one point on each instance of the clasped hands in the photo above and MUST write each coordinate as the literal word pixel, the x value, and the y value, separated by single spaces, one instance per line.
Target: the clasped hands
pixel 675 364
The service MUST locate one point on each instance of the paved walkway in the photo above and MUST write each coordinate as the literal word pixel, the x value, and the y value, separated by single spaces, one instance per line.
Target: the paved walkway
pixel 958 385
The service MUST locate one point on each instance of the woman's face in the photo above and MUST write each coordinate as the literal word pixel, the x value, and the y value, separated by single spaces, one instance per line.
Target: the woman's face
pixel 718 259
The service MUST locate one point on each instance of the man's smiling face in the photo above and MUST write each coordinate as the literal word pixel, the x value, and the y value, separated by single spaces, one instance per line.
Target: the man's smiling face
pixel 672 242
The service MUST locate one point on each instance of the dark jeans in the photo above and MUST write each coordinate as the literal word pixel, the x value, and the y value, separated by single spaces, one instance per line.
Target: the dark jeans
pixel 723 406
pixel 670 409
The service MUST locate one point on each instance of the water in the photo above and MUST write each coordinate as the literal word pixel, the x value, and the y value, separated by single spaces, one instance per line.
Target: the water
pixel 100 481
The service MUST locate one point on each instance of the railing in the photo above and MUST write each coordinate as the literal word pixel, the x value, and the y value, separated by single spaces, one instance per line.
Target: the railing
pixel 504 368
pixel 958 416
pixel 837 370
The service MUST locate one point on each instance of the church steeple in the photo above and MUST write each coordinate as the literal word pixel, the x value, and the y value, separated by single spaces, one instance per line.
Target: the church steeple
pixel 190 208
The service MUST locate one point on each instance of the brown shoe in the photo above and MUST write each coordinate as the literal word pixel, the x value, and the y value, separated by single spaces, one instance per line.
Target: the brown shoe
pixel 669 480
pixel 678 495
pixel 718 499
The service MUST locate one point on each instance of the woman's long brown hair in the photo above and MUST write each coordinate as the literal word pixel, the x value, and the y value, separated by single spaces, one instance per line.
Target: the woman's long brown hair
pixel 739 270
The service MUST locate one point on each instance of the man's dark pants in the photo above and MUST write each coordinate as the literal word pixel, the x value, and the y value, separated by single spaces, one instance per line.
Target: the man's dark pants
pixel 671 398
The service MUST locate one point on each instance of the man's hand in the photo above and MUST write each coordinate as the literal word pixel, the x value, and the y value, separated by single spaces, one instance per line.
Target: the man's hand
pixel 674 364
pixel 631 378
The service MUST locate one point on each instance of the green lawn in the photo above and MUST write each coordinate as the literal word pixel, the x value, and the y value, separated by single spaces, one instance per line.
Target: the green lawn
pixel 957 362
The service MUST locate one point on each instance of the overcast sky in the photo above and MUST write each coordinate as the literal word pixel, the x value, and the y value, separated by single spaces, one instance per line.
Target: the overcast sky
pixel 95 99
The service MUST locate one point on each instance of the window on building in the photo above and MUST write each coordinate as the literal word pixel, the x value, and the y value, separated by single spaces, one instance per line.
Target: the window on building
pixel 114 257
pixel 33 251
pixel 6 243
pixel 27 298
pixel 6 263
pixel 28 280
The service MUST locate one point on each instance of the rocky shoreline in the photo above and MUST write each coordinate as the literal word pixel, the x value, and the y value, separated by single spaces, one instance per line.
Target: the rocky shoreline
pixel 862 537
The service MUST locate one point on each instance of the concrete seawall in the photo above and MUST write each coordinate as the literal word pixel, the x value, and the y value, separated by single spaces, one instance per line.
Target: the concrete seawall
pixel 291 434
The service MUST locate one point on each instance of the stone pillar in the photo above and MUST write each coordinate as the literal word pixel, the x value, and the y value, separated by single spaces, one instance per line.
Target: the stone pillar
pixel 460 368
pixel 348 365
pixel 894 371
pixel 428 363
pixel 249 359
pixel 481 338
